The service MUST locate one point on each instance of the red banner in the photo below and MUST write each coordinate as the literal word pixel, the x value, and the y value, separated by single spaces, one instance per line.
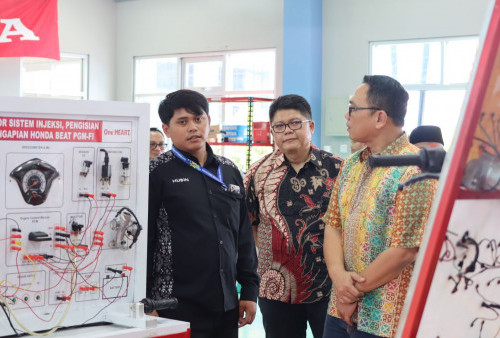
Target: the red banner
pixel 29 129
pixel 29 28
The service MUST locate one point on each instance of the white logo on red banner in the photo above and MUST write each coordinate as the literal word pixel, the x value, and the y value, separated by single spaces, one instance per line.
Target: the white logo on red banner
pixel 29 28
pixel 14 27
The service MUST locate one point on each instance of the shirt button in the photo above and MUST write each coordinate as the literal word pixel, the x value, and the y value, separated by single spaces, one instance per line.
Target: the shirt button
pixel 209 191
pixel 221 270
pixel 221 242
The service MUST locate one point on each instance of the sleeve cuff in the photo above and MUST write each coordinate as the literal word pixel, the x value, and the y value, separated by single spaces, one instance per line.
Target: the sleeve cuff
pixel 249 293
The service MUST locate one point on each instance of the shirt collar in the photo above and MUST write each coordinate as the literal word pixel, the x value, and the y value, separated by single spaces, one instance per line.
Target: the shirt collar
pixel 314 157
pixel 395 148
pixel 210 155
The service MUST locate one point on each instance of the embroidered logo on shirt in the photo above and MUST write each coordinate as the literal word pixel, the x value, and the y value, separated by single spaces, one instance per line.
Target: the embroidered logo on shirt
pixel 234 189
pixel 180 180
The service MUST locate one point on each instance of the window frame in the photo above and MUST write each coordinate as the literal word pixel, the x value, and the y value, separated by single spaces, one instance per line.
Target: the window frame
pixel 84 73
pixel 207 91
pixel 423 88
pixel 213 93
pixel 201 57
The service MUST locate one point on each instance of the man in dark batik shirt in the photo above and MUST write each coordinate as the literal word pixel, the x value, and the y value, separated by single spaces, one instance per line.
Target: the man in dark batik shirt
pixel 287 194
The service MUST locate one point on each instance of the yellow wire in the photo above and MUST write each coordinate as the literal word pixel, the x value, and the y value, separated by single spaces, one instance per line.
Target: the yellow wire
pixel 18 288
pixel 61 320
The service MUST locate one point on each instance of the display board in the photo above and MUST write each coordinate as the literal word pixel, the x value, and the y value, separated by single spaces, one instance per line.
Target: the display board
pixel 455 289
pixel 73 211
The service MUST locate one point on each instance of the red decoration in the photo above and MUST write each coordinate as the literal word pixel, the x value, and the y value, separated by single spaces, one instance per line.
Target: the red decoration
pixel 29 28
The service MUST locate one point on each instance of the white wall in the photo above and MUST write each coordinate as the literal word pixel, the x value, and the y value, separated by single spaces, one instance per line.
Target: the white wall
pixel 10 79
pixel 155 27
pixel 349 26
pixel 89 27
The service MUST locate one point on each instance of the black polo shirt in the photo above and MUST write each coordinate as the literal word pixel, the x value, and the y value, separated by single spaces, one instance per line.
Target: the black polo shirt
pixel 200 240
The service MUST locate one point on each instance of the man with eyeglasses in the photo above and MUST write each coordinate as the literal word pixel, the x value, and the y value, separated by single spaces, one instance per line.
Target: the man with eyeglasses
pixel 156 142
pixel 373 230
pixel 287 194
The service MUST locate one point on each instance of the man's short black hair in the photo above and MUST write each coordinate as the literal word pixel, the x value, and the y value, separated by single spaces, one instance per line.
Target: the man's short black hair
pixel 389 95
pixel 156 130
pixel 290 101
pixel 190 100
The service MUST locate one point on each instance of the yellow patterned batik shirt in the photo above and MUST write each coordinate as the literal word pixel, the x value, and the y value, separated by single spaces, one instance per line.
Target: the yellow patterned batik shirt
pixel 374 216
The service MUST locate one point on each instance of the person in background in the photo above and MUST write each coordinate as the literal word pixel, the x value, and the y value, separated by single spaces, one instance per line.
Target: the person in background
pixel 373 230
pixel 426 136
pixel 287 194
pixel 200 240
pixel 156 142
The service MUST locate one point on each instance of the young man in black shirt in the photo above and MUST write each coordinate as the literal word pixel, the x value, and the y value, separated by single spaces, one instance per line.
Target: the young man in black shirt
pixel 200 240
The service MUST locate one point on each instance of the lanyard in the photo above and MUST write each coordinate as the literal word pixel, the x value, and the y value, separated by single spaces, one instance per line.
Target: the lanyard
pixel 196 166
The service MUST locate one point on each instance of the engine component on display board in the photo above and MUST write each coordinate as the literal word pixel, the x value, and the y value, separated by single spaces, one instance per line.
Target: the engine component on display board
pixel 125 224
pixel 125 173
pixel 85 168
pixel 105 168
pixel 76 227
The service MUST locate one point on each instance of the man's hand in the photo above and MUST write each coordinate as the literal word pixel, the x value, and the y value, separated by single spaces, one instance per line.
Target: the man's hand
pixel 247 309
pixel 345 311
pixel 344 286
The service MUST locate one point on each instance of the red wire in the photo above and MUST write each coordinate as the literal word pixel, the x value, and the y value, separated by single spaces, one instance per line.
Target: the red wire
pixel 85 260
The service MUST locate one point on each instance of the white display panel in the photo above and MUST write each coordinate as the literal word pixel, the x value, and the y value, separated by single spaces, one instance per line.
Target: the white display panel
pixel 73 197
pixel 466 283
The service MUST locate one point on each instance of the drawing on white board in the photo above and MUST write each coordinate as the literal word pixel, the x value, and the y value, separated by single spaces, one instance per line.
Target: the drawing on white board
pixel 476 266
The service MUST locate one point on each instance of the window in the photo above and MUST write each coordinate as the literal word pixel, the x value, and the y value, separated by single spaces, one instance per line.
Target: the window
pixel 154 78
pixel 204 74
pixel 241 73
pixel 435 72
pixel 67 78
pixel 223 74
pixel 251 71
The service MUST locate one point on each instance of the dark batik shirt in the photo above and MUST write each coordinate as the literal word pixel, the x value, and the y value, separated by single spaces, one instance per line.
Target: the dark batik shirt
pixel 200 240
pixel 287 207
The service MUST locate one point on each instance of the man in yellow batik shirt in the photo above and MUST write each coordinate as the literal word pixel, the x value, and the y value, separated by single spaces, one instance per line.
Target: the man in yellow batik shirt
pixel 373 230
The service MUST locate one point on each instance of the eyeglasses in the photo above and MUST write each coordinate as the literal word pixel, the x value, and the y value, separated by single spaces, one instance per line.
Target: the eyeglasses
pixel 294 125
pixel 153 145
pixel 351 109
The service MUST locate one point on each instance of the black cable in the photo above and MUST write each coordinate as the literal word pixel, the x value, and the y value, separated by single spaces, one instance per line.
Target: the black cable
pixel 13 220
pixel 10 322
pixel 116 298
pixel 104 213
